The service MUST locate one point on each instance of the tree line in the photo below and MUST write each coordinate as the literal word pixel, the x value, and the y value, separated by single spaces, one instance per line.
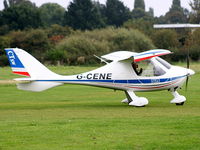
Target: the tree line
pixel 83 15
pixel 58 35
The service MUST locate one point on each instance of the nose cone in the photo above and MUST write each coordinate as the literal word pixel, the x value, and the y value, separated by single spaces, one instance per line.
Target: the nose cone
pixel 190 72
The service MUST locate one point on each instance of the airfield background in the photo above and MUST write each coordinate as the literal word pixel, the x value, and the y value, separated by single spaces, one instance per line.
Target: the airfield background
pixel 68 38
pixel 56 35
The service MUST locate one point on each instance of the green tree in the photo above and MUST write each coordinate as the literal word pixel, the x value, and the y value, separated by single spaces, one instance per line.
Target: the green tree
pixel 57 32
pixel 5 4
pixel 139 4
pixel 160 20
pixel 165 39
pixel 1 18
pixel 34 41
pixel 56 57
pixel 176 5
pixel 52 13
pixel 192 44
pixel 9 3
pixel 116 13
pixel 21 16
pixel 138 13
pixel 56 29
pixel 142 24
pixel 151 12
pixel 83 15
pixel 4 29
pixel 4 42
pixel 83 45
pixel 195 15
pixel 176 13
pixel 102 9
pixel 139 10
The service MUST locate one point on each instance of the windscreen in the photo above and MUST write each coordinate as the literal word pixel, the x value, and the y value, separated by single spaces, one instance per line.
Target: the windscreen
pixel 149 68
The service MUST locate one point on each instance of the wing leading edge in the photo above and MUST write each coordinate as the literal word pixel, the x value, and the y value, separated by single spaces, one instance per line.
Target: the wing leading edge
pixel 124 55
pixel 150 54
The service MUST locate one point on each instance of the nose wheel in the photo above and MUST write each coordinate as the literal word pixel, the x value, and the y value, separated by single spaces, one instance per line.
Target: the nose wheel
pixel 178 99
pixel 180 104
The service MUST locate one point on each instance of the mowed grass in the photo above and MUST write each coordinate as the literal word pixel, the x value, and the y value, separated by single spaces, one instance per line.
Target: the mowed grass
pixel 80 117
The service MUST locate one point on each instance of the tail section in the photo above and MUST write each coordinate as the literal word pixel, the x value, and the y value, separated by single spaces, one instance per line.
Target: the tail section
pixel 23 63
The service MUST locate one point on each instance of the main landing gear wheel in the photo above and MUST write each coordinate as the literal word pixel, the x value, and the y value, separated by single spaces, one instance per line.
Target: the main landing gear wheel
pixel 134 100
pixel 141 106
pixel 180 104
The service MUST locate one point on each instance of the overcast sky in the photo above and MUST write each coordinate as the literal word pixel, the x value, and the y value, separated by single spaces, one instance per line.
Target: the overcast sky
pixel 160 6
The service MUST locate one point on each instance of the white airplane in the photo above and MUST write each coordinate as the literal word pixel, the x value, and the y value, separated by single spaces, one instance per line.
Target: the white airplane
pixel 120 73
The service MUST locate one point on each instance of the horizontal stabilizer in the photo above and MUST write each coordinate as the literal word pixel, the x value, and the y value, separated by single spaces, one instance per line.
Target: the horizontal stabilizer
pixel 37 86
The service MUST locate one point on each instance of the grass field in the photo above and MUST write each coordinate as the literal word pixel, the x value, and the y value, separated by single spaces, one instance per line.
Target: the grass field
pixel 80 117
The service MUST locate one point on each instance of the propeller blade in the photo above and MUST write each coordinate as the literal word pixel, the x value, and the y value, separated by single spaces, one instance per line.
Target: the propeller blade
pixel 188 59
pixel 188 66
pixel 186 85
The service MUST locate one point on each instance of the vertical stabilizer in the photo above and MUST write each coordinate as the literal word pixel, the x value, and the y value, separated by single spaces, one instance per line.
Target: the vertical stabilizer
pixel 23 63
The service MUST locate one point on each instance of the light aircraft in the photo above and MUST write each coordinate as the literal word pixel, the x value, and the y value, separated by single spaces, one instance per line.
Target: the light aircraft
pixel 121 72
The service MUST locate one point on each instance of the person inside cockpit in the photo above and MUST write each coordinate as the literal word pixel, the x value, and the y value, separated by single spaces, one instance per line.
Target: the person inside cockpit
pixel 135 67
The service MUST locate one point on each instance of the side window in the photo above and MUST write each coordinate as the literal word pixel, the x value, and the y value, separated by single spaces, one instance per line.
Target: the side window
pixel 163 62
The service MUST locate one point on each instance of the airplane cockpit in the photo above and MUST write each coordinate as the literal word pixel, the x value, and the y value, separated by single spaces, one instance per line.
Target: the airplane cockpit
pixel 151 67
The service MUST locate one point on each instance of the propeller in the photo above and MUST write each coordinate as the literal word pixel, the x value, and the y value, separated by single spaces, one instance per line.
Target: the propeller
pixel 186 85
pixel 188 67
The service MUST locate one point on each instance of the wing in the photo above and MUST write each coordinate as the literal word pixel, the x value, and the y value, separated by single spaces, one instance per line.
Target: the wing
pixel 124 55
pixel 150 54
pixel 119 55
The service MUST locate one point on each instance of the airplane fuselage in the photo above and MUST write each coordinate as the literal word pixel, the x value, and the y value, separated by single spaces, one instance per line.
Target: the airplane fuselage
pixel 109 77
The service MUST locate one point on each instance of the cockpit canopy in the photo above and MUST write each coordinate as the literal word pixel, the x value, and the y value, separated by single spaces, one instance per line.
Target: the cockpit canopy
pixel 153 67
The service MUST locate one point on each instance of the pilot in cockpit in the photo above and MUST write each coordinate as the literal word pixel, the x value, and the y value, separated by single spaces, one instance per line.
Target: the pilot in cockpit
pixel 135 67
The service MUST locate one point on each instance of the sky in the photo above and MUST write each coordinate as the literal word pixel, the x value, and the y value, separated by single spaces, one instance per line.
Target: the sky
pixel 160 6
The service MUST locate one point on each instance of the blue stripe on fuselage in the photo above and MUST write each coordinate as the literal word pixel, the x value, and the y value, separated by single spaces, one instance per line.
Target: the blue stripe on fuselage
pixel 136 81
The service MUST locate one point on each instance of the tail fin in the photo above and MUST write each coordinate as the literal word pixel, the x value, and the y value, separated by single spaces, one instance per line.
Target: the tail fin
pixel 23 63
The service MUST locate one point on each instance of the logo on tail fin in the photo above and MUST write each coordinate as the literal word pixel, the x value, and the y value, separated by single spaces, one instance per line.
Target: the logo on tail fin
pixel 15 63
pixel 13 59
